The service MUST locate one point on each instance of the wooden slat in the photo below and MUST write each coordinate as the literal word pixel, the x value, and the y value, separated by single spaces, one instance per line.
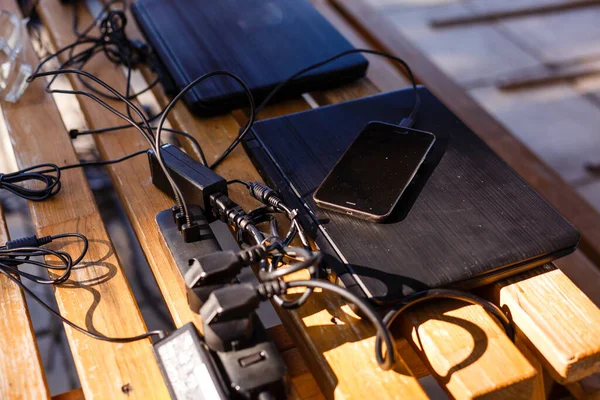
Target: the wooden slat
pixel 540 176
pixel 469 354
pixel 141 200
pixel 510 11
pixel 543 381
pixel 21 371
pixel 545 76
pixel 303 383
pixel 583 273
pixel 563 328
pixel 98 296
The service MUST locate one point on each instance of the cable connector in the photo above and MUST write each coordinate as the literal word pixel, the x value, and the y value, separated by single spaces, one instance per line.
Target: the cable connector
pixel 264 194
pixel 407 122
pixel 29 241
pixel 227 316
pixel 229 212
pixel 219 267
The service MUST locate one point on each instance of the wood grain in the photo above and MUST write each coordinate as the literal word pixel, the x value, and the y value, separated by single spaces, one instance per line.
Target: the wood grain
pixel 469 354
pixel 545 326
pixel 21 372
pixel 563 330
pixel 98 296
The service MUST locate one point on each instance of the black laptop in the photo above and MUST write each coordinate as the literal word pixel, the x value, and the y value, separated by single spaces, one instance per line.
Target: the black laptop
pixel 263 42
pixel 467 220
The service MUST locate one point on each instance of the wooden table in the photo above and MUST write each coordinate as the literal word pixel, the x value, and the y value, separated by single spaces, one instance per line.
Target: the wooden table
pixel 328 350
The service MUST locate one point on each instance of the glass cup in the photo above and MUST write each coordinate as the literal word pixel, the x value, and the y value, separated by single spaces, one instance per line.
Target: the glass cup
pixel 13 70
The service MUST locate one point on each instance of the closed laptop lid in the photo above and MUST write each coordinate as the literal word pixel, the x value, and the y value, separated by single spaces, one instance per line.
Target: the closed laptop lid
pixel 472 221
pixel 262 41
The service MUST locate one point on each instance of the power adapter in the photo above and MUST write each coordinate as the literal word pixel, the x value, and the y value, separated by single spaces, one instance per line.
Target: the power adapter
pixel 196 181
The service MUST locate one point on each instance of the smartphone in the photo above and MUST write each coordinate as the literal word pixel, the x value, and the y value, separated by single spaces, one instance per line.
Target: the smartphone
pixel 369 179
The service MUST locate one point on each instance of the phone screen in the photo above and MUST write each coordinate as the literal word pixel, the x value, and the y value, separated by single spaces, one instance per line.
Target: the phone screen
pixel 375 170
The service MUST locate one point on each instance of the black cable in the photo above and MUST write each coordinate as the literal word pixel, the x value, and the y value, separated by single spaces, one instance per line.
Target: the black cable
pixel 253 113
pixel 160 334
pixel 145 130
pixel 74 133
pixel 386 362
pixel 18 252
pixel 51 183
pixel 432 294
pixel 195 82
pixel 49 175
pixel 169 107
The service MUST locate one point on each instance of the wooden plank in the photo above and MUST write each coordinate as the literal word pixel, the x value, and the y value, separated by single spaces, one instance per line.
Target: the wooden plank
pixel 543 382
pixel 469 354
pixel 563 330
pixel 472 55
pixel 21 371
pixel 582 272
pixel 99 296
pixel 539 175
pixel 464 347
pixel 141 201
pixel 571 363
pixel 568 36
pixel 545 76
pixel 510 11
pixel 303 383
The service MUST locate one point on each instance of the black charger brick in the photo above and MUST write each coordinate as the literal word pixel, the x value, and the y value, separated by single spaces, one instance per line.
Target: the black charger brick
pixel 196 181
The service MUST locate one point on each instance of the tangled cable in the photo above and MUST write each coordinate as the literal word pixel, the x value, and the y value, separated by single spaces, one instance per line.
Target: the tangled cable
pixel 19 252
pixel 46 174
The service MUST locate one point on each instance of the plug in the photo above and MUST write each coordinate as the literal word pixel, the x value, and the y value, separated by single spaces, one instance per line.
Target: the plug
pixel 29 241
pixel 209 273
pixel 215 270
pixel 227 316
pixel 219 267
